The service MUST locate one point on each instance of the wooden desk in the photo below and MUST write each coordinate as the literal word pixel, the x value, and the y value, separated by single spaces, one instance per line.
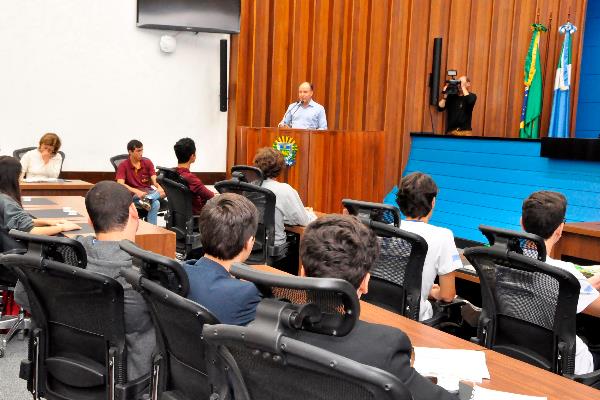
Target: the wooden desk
pixel 67 188
pixel 581 240
pixel 148 236
pixel 507 374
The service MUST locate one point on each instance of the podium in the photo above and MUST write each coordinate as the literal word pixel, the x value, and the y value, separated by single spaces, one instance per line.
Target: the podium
pixel 330 165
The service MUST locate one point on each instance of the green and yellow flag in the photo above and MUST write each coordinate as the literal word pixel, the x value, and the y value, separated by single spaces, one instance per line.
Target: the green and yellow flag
pixel 532 101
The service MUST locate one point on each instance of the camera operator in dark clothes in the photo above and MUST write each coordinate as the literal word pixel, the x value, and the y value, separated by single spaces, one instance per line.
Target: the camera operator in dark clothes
pixel 458 103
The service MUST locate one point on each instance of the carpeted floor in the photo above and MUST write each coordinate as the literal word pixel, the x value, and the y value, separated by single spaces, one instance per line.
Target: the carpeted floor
pixel 11 387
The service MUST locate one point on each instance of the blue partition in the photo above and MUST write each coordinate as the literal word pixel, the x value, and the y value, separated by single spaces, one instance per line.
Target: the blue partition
pixel 484 181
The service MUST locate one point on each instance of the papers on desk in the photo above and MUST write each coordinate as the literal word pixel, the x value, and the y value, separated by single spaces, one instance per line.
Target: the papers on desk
pixel 480 393
pixel 43 180
pixel 463 365
pixel 588 270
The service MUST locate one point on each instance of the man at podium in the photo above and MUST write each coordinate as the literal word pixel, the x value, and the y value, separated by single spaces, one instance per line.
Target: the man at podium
pixel 305 113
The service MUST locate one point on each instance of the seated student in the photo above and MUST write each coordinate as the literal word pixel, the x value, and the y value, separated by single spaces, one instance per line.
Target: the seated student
pixel 416 199
pixel 228 224
pixel 12 215
pixel 43 162
pixel 185 150
pixel 114 218
pixel 288 205
pixel 340 246
pixel 137 174
pixel 543 214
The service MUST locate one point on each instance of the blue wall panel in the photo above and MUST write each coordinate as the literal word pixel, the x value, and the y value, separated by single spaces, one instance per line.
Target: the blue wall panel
pixel 484 181
pixel 588 104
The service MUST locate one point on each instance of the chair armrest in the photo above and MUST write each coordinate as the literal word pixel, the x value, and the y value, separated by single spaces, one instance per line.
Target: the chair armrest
pixel 590 379
pixel 278 251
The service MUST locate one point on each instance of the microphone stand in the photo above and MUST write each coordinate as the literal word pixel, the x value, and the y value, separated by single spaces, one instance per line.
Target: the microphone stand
pixel 298 104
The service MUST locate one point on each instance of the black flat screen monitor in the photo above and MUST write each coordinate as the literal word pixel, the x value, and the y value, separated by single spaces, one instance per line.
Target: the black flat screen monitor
pixel 222 16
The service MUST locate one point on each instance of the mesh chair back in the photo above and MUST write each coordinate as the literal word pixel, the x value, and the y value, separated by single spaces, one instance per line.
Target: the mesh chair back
pixel 18 154
pixel 270 365
pixel 80 340
pixel 368 211
pixel 249 174
pixel 180 217
pixel 181 367
pixel 528 309
pixel 64 250
pixel 396 276
pixel 336 299
pixel 264 200
pixel 116 160
pixel 528 244
pixel 157 268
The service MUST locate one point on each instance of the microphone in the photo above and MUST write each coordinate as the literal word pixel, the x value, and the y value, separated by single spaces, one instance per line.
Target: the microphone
pixel 297 104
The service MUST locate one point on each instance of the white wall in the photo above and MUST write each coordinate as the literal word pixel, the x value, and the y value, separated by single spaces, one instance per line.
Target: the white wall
pixel 82 69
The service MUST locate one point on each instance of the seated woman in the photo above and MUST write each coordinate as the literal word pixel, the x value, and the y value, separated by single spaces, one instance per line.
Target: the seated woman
pixel 288 207
pixel 12 215
pixel 45 161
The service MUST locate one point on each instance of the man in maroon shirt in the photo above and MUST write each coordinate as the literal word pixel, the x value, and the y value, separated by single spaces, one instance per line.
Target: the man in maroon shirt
pixel 185 150
pixel 137 174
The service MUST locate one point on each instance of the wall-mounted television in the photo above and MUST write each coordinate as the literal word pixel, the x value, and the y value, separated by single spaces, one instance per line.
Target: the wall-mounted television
pixel 222 16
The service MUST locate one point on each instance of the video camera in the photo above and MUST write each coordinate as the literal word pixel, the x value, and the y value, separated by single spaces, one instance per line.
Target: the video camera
pixel 453 85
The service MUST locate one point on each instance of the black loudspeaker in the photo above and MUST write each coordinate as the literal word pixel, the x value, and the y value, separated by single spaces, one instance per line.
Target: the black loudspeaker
pixel 223 77
pixel 434 79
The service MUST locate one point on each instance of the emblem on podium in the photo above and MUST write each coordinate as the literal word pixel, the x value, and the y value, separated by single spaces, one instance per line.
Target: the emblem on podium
pixel 287 146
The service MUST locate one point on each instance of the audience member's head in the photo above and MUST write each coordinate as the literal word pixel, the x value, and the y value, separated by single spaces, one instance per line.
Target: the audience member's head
pixel 543 213
pixel 185 151
pixel 416 195
pixel 50 142
pixel 111 210
pixel 10 170
pixel 269 161
pixel 339 246
pixel 228 224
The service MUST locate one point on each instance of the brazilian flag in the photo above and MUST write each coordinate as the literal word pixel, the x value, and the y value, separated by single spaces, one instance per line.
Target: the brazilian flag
pixel 532 101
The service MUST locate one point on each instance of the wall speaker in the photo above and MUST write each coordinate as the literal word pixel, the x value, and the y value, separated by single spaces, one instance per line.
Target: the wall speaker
pixel 223 77
pixel 434 78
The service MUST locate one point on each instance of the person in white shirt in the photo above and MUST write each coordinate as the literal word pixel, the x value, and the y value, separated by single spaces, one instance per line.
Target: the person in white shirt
pixel 416 199
pixel 45 161
pixel 288 205
pixel 543 214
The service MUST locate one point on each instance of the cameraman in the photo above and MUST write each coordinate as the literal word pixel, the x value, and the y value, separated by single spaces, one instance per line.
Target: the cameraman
pixel 460 107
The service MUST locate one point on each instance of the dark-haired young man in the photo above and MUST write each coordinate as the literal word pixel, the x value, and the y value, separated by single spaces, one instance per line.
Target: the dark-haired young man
pixel 288 205
pixel 137 174
pixel 114 218
pixel 340 246
pixel 416 199
pixel 228 224
pixel 185 151
pixel 543 214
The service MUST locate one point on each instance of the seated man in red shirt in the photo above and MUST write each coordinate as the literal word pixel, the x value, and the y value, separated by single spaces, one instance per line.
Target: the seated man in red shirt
pixel 137 174
pixel 185 150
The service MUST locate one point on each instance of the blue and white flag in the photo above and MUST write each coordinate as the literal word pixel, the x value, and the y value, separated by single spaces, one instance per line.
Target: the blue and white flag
pixel 559 121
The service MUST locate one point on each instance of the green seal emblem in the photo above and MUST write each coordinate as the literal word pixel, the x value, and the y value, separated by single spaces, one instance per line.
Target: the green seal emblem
pixel 288 147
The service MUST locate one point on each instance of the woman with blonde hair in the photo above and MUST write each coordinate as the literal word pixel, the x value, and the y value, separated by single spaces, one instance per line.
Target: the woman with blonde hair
pixel 45 161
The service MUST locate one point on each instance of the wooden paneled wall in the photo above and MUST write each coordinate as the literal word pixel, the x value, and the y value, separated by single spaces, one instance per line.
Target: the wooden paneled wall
pixel 369 61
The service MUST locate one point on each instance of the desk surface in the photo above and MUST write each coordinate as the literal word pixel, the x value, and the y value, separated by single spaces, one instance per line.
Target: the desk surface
pixel 65 188
pixel 507 374
pixel 148 236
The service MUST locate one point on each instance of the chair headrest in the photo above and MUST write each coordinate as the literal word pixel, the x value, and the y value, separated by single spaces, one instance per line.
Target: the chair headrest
pixel 325 305
pixel 524 243
pixel 379 212
pixel 62 249
pixel 156 267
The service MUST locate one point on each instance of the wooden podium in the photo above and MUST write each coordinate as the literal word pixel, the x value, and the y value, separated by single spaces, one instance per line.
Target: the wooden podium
pixel 330 165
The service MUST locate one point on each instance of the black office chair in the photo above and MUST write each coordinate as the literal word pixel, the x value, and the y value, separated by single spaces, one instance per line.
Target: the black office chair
pixel 248 174
pixel 520 242
pixel 157 268
pixel 266 363
pixel 264 251
pixel 182 365
pixel 528 309
pixel 180 218
pixel 77 350
pixel 59 249
pixel 397 274
pixel 378 212
pixel 118 159
pixel 12 323
pixel 18 154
